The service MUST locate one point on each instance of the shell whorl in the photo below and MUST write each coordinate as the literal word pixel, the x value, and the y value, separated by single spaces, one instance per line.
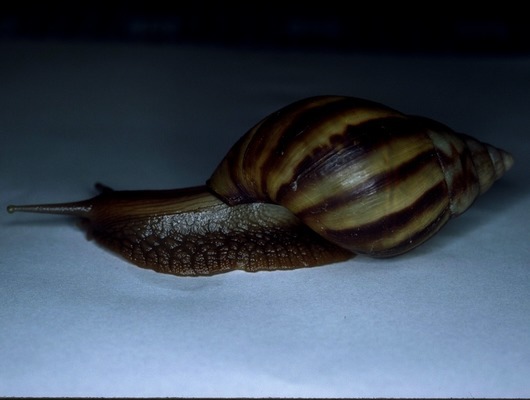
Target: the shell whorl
pixel 362 175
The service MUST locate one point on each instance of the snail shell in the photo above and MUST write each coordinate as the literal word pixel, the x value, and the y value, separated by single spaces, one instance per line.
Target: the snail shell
pixel 313 183
pixel 362 175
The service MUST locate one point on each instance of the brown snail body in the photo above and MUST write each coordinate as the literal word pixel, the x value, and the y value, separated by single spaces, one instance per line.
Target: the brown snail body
pixel 316 182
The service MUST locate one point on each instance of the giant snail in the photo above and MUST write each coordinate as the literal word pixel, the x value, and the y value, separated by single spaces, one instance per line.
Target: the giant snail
pixel 313 183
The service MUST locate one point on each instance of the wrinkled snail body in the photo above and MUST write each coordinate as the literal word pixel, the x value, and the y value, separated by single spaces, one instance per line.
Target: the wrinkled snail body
pixel 316 182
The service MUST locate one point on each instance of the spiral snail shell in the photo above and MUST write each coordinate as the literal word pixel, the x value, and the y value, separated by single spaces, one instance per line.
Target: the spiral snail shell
pixel 316 182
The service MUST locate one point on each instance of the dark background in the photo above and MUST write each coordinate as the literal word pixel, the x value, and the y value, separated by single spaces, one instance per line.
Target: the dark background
pixel 435 27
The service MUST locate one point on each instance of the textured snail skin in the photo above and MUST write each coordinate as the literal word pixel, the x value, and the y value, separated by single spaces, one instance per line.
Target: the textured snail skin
pixel 190 232
pixel 313 183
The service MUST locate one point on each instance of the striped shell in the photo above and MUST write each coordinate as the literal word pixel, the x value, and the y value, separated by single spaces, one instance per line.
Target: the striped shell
pixel 362 175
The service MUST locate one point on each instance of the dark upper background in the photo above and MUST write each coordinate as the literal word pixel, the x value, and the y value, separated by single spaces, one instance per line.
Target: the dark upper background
pixel 501 28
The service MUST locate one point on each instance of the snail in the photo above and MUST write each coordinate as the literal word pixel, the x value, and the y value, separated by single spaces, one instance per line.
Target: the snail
pixel 314 183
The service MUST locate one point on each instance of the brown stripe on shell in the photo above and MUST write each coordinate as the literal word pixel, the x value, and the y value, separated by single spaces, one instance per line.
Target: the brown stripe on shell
pixel 456 161
pixel 371 203
pixel 390 234
pixel 387 180
pixel 313 122
pixel 357 171
pixel 482 165
pixel 267 145
pixel 236 179
pixel 260 162
pixel 352 145
pixel 315 136
pixel 413 240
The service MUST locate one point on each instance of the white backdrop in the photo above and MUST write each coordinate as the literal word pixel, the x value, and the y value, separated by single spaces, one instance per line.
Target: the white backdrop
pixel 450 319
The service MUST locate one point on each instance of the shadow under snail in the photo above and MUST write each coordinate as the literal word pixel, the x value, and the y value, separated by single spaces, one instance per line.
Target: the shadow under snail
pixel 316 182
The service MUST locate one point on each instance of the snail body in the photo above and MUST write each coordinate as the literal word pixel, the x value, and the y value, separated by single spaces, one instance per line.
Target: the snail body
pixel 316 182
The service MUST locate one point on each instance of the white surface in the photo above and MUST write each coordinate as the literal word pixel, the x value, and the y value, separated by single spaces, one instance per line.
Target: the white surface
pixel 450 319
